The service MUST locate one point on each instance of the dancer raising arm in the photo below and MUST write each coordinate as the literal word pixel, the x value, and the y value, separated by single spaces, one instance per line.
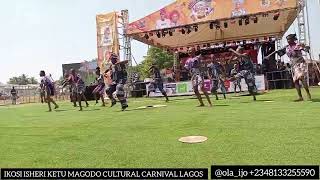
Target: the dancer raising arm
pixel 194 67
pixel 246 70
pixel 299 65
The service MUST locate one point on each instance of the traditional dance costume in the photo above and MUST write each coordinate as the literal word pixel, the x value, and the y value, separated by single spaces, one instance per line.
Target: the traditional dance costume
pixel 236 82
pixel 100 85
pixel 119 78
pixel 197 75
pixel 216 72
pixel 47 85
pixel 299 66
pixel 246 72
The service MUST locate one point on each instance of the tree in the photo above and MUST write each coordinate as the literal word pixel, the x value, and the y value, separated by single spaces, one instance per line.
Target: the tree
pixel 22 80
pixel 157 56
pixel 33 80
pixel 160 57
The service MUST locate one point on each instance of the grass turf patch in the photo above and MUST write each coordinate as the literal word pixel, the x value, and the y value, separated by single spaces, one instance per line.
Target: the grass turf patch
pixel 239 131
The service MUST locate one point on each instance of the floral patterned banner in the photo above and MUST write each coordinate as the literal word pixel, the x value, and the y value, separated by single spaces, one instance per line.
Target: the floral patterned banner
pixel 184 12
pixel 107 38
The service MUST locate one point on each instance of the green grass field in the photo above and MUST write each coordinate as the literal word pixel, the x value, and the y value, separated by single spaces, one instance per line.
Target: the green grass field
pixel 239 132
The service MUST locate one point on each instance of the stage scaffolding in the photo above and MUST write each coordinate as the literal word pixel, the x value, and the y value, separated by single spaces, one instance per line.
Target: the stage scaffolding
pixel 125 45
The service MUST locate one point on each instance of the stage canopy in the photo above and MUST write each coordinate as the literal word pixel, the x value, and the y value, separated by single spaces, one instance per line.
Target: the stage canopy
pixel 207 23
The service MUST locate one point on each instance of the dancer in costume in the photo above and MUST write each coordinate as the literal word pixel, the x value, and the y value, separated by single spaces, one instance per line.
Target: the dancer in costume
pixel 99 90
pixel 68 82
pixel 215 71
pixel 157 81
pixel 299 65
pixel 49 90
pixel 119 78
pixel 193 65
pixel 246 70
pixel 78 87
pixel 236 82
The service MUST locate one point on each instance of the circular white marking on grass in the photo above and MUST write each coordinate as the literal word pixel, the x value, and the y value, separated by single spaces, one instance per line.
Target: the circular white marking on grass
pixel 193 139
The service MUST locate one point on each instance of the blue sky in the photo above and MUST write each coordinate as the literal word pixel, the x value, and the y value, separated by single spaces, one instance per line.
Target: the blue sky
pixel 43 34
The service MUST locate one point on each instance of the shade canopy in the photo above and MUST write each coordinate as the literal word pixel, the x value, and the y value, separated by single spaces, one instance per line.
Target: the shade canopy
pixel 189 23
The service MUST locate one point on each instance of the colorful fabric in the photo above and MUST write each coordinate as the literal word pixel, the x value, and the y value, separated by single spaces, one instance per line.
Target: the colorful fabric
pixel 197 81
pixel 299 67
pixel 77 84
pixel 294 52
pixel 216 70
pixel 99 89
pixel 246 64
pixel 47 85
pixel 101 85
pixel 249 79
pixel 300 71
pixel 218 84
pixel 236 81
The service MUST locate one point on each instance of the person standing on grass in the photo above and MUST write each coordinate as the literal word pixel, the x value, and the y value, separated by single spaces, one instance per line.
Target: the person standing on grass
pixel 119 78
pixel 68 82
pixel 42 93
pixel 14 95
pixel 215 71
pixel 157 81
pixel 78 88
pixel 99 90
pixel 49 90
pixel 237 82
pixel 299 65
pixel 197 79
pixel 246 70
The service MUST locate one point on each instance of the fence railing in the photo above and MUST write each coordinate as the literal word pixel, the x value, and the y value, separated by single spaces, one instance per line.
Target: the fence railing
pixel 29 94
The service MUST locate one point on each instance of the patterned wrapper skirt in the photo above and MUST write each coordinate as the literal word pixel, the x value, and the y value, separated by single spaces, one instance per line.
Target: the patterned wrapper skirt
pixel 198 81
pixel 99 89
pixel 50 90
pixel 300 71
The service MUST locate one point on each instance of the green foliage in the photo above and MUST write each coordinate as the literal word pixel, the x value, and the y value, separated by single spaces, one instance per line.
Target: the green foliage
pixel 22 80
pixel 155 56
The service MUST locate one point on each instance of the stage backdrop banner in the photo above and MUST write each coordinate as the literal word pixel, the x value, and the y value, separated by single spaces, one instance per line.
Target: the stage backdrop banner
pixel 184 12
pixel 107 38
pixel 185 88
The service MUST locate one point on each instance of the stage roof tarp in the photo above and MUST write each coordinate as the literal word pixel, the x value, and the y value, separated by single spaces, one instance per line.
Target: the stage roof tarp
pixel 182 15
